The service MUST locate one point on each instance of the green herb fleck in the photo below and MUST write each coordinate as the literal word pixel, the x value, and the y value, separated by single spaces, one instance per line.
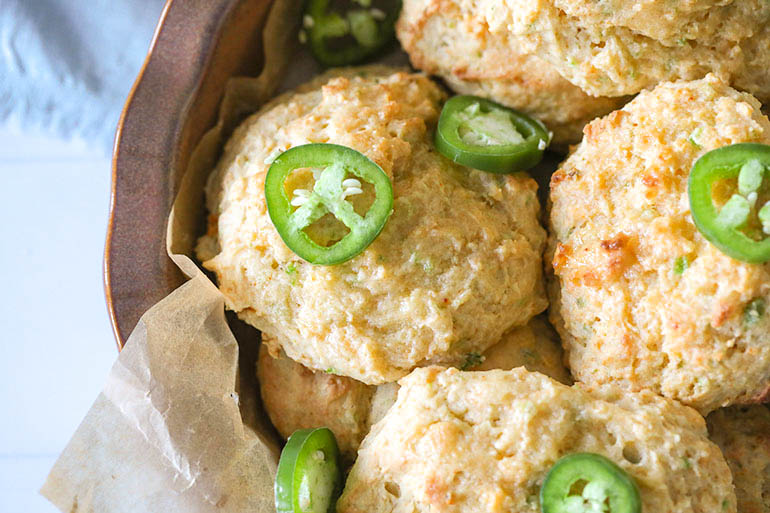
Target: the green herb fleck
pixel 695 138
pixel 331 370
pixel 649 213
pixel 754 312
pixel 681 264
pixel 291 270
pixel 472 360
pixel 580 302
pixel 725 504
pixel 682 41
pixel 686 463
pixel 427 264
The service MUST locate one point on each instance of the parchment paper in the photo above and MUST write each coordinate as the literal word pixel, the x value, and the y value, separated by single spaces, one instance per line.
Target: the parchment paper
pixel 178 426
pixel 166 433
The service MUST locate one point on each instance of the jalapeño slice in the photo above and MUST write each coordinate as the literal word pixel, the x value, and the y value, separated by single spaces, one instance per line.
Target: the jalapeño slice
pixel 586 483
pixel 738 178
pixel 339 171
pixel 344 32
pixel 485 135
pixel 308 478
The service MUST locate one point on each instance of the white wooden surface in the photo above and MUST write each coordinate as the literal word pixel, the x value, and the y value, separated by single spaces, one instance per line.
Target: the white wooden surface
pixel 56 345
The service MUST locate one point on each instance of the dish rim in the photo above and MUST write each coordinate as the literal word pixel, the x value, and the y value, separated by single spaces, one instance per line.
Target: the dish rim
pixel 120 340
pixel 172 102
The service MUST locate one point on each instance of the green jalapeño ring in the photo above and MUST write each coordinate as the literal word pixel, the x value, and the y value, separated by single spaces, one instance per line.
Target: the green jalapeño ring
pixel 485 135
pixel 358 32
pixel 309 478
pixel 586 483
pixel 331 188
pixel 740 228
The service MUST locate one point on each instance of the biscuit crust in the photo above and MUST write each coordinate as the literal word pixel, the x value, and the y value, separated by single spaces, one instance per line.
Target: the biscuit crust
pixel 442 38
pixel 296 397
pixel 639 296
pixel 484 441
pixel 616 47
pixel 457 265
pixel 743 434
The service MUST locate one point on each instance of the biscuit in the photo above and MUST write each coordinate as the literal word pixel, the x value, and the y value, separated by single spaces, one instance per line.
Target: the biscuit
pixel 443 39
pixel 296 397
pixel 639 296
pixel 457 264
pixel 613 48
pixel 743 434
pixel 484 442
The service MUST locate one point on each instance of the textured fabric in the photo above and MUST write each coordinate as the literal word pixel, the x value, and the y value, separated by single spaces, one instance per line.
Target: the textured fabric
pixel 66 66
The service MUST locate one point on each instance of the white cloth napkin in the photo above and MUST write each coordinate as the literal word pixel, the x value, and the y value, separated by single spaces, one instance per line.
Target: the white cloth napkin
pixel 66 66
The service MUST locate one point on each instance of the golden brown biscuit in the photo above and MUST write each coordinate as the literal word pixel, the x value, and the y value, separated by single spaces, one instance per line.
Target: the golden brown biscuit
pixel 617 47
pixel 484 441
pixel 743 434
pixel 296 397
pixel 457 265
pixel 535 346
pixel 443 39
pixel 641 298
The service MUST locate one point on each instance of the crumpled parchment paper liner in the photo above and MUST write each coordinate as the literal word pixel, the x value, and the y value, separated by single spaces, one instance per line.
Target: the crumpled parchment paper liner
pixel 178 426
pixel 169 436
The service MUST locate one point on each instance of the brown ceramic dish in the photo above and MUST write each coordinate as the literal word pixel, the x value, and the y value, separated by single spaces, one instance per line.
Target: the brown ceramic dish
pixel 197 46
